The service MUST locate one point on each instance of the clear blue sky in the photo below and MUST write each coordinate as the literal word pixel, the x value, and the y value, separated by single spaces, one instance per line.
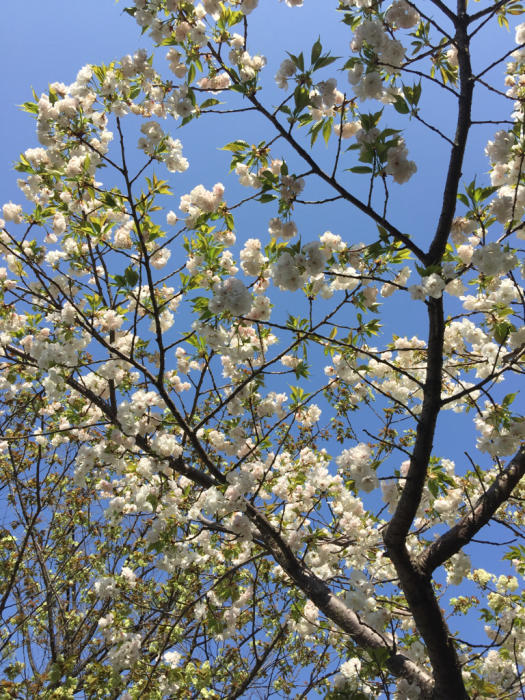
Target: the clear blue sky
pixel 49 41
pixel 43 41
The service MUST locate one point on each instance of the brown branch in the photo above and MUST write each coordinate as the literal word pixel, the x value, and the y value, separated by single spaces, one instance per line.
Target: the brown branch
pixel 457 153
pixel 417 587
pixel 312 586
pixel 410 498
pixel 245 684
pixel 446 10
pixel 415 583
pixel 488 10
pixel 486 506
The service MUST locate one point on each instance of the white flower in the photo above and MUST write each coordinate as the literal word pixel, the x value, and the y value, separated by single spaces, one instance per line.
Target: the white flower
pixel 174 160
pixel 459 568
pixel 172 658
pixel 171 218
pixel 129 575
pixel 201 201
pixel 231 295
pixel 499 150
pixel 248 6
pixel 252 260
pixel 348 129
pixel 370 87
pixel 74 166
pixel 308 417
pixel 286 70
pixel 12 212
pixel 398 166
pixel 392 53
pixel 59 223
pixel 357 463
pixel 493 259
pixel 316 257
pixel 110 320
pixel 166 321
pixel 355 73
pixel 351 668
pixel 402 15
pixel 452 56
pixel 105 587
pixel 122 238
pixel 370 31
pixel 166 445
pixel 160 257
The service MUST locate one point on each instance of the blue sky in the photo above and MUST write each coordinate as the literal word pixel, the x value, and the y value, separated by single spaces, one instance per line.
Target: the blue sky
pixel 49 41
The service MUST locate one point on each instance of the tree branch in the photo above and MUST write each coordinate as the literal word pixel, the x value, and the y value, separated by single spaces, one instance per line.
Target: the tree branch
pixel 445 10
pixel 312 586
pixel 416 586
pixel 317 170
pixel 457 153
pixel 486 506
pixel 488 10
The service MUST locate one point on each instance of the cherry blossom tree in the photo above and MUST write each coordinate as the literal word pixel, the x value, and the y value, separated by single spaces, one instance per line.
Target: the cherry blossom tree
pixel 228 468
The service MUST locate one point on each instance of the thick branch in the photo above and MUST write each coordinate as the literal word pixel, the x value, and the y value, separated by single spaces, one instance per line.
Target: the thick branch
pixel 416 586
pixel 311 586
pixel 410 499
pixel 346 619
pixel 457 153
pixel 460 534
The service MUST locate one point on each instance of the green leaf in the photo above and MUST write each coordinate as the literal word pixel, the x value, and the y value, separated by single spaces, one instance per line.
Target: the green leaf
pixel 305 119
pixel 24 165
pixel 297 60
pixel 502 331
pixel 209 103
pixel 509 398
pixel 29 107
pixel 301 97
pixel 327 129
pixel 131 276
pixel 361 169
pixel 412 94
pixel 368 121
pixel 316 51
pixel 324 61
pixel 314 131
pixel 235 146
pixel 401 106
pixel 120 280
